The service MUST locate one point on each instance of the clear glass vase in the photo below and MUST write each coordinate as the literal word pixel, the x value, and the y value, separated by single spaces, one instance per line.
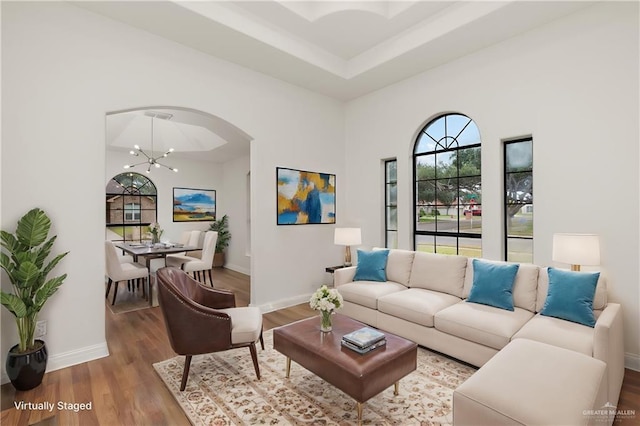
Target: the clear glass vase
pixel 325 321
pixel 155 237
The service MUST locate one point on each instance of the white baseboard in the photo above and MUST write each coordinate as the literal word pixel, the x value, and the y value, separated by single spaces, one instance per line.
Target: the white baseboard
pixel 67 359
pixel 237 269
pixel 284 303
pixel 632 361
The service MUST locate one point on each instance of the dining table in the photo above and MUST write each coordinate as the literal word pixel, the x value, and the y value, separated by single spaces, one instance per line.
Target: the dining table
pixel 150 252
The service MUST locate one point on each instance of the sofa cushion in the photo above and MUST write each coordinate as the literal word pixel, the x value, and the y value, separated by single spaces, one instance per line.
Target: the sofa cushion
pixel 530 383
pixel 416 304
pixel 438 272
pixel 558 332
pixel 599 300
pixel 493 284
pixel 481 324
pixel 246 324
pixel 570 296
pixel 371 266
pixel 366 293
pixel 399 265
pixel 524 288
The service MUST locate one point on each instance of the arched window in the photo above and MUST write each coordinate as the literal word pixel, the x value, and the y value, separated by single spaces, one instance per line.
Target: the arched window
pixel 448 191
pixel 131 205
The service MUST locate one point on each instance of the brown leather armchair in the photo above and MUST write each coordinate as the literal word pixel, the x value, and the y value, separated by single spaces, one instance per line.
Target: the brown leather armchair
pixel 202 320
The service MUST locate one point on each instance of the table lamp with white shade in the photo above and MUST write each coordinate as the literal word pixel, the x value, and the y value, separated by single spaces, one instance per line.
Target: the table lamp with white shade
pixel 576 249
pixel 347 237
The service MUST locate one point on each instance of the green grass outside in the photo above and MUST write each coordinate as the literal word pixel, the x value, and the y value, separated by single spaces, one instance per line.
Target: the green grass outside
pixel 464 223
pixel 464 251
pixel 129 233
pixel 520 257
pixel 118 230
pixel 522 225
pixel 473 252
pixel 427 219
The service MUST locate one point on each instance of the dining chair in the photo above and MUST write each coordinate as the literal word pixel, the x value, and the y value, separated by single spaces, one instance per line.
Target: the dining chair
pixel 187 238
pixel 194 241
pixel 198 265
pixel 125 258
pixel 117 271
pixel 201 320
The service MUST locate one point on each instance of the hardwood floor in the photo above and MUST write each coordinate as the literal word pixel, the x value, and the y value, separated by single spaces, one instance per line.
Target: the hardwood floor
pixel 124 389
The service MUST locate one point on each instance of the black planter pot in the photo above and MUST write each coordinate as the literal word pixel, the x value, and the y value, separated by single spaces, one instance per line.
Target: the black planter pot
pixel 26 370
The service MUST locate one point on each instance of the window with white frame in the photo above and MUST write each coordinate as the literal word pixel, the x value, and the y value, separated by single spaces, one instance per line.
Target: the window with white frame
pixel 131 212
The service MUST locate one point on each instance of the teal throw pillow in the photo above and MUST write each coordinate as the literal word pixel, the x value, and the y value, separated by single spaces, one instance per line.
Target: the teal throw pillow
pixel 570 296
pixel 493 284
pixel 372 266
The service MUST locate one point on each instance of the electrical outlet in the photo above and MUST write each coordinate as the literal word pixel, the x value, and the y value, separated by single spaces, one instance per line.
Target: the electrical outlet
pixel 41 329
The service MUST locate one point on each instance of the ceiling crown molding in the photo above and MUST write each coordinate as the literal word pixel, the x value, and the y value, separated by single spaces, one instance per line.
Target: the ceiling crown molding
pixel 337 48
pixel 312 11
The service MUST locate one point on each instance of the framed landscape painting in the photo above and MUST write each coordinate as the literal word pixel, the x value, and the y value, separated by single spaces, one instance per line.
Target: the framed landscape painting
pixel 194 205
pixel 305 197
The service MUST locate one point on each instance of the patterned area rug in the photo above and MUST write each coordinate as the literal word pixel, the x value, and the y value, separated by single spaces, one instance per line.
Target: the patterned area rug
pixel 223 390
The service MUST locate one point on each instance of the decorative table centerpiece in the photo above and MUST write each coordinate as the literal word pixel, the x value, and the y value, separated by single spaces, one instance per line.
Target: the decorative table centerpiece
pixel 326 301
pixel 156 232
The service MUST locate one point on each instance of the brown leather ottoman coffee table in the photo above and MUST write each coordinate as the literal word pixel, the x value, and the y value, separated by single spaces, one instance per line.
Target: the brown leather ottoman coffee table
pixel 359 376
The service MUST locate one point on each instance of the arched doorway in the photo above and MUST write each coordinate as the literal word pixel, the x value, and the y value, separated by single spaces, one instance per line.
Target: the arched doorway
pixel 203 147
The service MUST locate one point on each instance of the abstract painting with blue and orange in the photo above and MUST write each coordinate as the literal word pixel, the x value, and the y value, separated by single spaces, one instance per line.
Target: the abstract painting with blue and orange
pixel 305 197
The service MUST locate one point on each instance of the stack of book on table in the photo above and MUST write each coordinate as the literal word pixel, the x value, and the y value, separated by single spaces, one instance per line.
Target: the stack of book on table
pixel 364 340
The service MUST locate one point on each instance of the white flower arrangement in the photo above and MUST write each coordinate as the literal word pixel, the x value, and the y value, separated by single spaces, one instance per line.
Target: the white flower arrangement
pixel 325 299
pixel 156 231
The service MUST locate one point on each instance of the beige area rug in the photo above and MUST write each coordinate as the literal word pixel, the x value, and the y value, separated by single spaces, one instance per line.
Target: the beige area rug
pixel 223 390
pixel 126 301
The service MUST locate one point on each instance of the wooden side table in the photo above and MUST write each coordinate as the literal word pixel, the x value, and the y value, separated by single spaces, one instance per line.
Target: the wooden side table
pixel 332 269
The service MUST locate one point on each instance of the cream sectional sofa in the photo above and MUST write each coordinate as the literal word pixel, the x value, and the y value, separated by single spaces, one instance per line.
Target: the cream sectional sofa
pixel 423 300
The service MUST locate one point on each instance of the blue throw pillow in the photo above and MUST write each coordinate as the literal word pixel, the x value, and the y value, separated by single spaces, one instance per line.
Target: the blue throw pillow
pixel 372 266
pixel 493 284
pixel 570 296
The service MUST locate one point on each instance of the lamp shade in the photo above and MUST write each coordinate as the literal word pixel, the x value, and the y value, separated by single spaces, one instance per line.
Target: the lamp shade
pixel 576 249
pixel 347 236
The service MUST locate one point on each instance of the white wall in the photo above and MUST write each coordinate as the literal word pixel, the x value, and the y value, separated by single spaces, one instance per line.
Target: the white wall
pixel 235 203
pixel 573 85
pixel 288 262
pixel 63 68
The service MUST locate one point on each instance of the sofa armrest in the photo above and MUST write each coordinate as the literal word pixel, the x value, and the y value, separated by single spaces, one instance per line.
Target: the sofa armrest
pixel 608 346
pixel 343 275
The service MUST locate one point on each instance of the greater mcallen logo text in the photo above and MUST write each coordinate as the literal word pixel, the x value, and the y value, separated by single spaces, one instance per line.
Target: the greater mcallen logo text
pixel 610 410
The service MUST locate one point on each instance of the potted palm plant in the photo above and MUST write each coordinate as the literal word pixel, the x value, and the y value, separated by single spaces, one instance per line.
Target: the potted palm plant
pixel 221 226
pixel 24 259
